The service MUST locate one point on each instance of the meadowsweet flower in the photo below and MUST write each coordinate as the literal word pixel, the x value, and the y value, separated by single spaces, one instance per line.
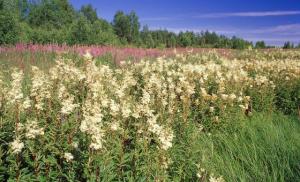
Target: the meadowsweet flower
pixel 26 103
pixel 224 96
pixel 126 112
pixel 232 97
pixel 247 98
pixel 41 87
pixel 114 108
pixel 165 136
pixel 75 145
pixel 88 56
pixel 146 97
pixel 212 178
pixel 115 126
pixel 15 94
pixel 244 107
pixel 165 162
pixel 97 141
pixel 32 129
pixel 68 156
pixel 68 106
pixel 240 99
pixel 17 146
pixel 217 119
pixel 92 125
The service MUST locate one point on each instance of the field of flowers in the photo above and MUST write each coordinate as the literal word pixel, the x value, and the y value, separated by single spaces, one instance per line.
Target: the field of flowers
pixel 190 115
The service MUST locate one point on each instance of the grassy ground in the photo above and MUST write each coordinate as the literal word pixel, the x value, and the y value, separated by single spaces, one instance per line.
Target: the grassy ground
pixel 263 148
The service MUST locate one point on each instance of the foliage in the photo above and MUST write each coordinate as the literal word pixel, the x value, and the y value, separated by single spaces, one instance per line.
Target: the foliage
pixel 51 14
pixel 260 45
pixel 56 21
pixel 80 31
pixel 126 27
pixel 89 12
pixel 8 28
pixel 288 45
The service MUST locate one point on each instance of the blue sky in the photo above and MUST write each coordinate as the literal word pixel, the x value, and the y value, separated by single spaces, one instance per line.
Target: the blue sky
pixel 274 21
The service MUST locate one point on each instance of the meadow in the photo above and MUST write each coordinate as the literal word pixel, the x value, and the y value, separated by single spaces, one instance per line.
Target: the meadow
pixel 129 114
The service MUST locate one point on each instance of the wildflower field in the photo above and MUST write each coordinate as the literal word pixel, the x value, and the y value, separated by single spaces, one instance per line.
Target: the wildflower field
pixel 75 114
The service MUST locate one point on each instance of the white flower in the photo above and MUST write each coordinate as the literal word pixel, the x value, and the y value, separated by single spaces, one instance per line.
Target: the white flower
pixel 146 97
pixel 17 146
pixel 114 126
pixel 26 103
pixel 15 94
pixel 166 138
pixel 211 109
pixel 68 156
pixel 75 145
pixel 68 106
pixel 216 179
pixel 88 56
pixel 33 130
pixel 114 108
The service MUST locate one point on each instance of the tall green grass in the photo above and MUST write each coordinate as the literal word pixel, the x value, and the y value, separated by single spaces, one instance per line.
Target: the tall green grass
pixel 265 147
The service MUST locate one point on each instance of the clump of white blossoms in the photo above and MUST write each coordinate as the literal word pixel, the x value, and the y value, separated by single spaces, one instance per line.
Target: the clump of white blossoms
pixel 68 105
pixel 212 178
pixel 165 136
pixel 88 56
pixel 68 156
pixel 15 94
pixel 33 130
pixel 92 125
pixel 26 103
pixel 40 89
pixel 17 146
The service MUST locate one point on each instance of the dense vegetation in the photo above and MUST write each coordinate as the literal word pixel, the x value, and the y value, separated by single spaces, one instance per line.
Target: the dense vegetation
pixel 56 21
pixel 188 117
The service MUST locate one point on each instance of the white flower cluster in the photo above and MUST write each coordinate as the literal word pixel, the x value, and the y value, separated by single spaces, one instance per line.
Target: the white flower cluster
pixel 32 129
pixel 92 125
pixel 17 146
pixel 165 135
pixel 40 89
pixel 148 94
pixel 15 94
pixel 68 156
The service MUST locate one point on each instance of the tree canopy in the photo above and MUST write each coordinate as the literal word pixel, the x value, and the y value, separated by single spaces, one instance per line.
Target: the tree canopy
pixel 57 21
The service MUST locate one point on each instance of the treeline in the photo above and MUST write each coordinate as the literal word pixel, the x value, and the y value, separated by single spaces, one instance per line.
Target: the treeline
pixel 56 21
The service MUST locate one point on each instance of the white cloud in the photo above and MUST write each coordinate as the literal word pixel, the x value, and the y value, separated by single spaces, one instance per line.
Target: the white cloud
pixel 224 15
pixel 248 14
pixel 159 19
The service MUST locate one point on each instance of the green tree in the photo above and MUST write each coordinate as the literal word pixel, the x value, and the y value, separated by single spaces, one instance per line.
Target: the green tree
pixel 89 12
pixel 134 28
pixel 18 8
pixel 51 14
pixel 260 45
pixel 127 27
pixel 171 40
pixel 288 45
pixel 121 24
pixel 147 40
pixel 102 33
pixel 80 31
pixel 9 33
pixel 1 4
pixel 186 39
pixel 238 43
